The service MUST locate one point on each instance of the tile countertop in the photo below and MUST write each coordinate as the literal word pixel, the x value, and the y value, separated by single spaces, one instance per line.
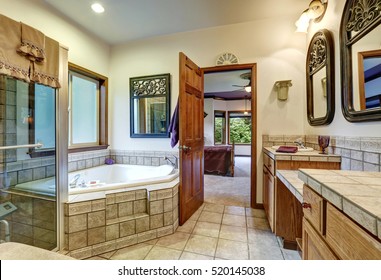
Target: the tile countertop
pixel 291 180
pixel 301 156
pixel 356 193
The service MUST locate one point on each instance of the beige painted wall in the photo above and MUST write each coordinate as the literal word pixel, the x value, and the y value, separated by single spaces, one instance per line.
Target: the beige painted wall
pixel 84 50
pixel 339 126
pixel 273 44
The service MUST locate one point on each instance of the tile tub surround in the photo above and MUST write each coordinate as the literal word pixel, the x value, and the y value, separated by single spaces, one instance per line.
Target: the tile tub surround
pixel 83 160
pixel 106 221
pixel 357 153
pixel 356 193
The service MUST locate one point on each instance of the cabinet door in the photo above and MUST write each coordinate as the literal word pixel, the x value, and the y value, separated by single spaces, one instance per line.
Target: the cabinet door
pixel 314 247
pixel 268 196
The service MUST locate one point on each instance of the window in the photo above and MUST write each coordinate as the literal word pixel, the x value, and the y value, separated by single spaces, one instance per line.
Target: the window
pixel 219 127
pixel 40 115
pixel 87 110
pixel 239 127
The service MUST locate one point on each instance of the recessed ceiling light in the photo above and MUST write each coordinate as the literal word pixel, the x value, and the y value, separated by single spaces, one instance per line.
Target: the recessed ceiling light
pixel 98 8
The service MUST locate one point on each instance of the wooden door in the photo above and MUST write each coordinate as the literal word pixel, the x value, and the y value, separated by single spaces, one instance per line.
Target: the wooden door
pixel 191 138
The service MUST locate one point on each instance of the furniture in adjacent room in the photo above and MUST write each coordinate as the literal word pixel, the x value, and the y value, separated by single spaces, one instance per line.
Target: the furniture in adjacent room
pixel 219 160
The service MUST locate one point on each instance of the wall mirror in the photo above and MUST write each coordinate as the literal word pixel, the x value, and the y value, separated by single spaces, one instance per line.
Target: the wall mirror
pixel 149 106
pixel 360 44
pixel 320 79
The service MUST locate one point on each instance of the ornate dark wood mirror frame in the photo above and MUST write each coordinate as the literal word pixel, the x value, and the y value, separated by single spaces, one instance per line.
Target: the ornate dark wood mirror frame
pixel 321 54
pixel 359 18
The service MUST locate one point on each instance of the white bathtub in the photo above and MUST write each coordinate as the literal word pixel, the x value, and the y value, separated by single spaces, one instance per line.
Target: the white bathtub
pixel 110 177
pixel 105 177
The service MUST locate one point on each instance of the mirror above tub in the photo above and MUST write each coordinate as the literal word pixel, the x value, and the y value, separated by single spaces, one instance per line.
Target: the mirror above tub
pixel 320 79
pixel 360 40
pixel 149 106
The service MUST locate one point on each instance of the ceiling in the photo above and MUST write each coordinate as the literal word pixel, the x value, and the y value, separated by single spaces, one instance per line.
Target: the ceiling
pixel 223 85
pixel 127 20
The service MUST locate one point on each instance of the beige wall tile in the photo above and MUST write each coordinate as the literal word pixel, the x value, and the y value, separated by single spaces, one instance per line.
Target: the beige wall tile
pixel 140 206
pixel 103 248
pixel 168 218
pixel 77 223
pixel 125 196
pixel 44 235
pixel 112 232
pixel 127 228
pixel 79 208
pixel 81 254
pixel 166 193
pixel 111 211
pixel 148 235
pixel 168 204
pixel 110 199
pixel 156 207
pixel 99 204
pixel 126 241
pixel 96 235
pixel 142 224
pixel 165 231
pixel 77 240
pixel 140 194
pixel 156 221
pixel 96 219
pixel 125 209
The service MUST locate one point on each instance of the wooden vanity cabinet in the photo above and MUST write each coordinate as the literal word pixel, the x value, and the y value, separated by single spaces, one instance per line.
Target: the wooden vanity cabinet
pixel 276 197
pixel 269 189
pixel 329 234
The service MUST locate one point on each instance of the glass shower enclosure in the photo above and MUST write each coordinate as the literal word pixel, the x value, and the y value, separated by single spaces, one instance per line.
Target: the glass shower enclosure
pixel 28 189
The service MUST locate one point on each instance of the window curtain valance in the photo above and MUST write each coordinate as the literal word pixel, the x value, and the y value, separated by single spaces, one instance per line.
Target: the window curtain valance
pixel 27 54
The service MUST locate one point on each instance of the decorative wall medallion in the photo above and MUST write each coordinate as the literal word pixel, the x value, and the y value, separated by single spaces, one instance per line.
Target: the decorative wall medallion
pixel 226 59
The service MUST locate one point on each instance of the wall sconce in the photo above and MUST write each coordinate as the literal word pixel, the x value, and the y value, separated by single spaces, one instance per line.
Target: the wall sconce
pixel 315 11
pixel 282 89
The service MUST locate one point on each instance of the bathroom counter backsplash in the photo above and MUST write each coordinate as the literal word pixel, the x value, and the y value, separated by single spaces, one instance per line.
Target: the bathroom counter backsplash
pixel 356 193
pixel 301 156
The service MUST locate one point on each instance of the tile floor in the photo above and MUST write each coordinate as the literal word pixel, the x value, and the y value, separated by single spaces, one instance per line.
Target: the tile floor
pixel 225 227
pixel 214 232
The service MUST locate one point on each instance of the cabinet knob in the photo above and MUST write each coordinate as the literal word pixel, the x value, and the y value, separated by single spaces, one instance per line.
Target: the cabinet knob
pixel 306 205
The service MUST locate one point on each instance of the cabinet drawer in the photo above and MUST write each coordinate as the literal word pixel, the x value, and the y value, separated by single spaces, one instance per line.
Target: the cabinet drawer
pixel 314 246
pixel 348 240
pixel 269 163
pixel 313 208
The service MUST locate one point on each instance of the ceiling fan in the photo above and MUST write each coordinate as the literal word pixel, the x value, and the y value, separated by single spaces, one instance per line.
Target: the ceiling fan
pixel 245 76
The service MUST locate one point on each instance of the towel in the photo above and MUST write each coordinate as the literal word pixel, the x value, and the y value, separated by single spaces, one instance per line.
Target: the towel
pixel 174 126
pixel 287 149
pixel 11 63
pixel 32 43
pixel 46 72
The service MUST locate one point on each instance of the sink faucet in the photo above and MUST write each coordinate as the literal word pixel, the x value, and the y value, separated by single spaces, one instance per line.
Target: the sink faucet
pixel 299 142
pixel 173 162
pixel 73 182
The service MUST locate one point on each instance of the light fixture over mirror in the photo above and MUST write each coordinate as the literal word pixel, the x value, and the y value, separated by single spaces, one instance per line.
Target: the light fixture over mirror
pixel 315 11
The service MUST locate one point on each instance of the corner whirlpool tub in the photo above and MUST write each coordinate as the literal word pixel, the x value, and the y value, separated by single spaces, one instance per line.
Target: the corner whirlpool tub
pixel 119 176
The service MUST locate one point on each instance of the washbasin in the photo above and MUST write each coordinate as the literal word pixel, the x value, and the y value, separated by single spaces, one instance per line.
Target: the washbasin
pixel 306 149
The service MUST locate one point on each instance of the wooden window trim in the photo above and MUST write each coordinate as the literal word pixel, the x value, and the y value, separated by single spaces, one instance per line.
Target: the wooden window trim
pixel 103 109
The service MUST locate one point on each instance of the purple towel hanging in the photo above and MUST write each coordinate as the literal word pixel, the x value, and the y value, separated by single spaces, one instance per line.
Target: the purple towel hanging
pixel 174 126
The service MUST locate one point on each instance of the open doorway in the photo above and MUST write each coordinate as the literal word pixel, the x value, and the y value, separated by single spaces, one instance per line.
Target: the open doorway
pixel 230 121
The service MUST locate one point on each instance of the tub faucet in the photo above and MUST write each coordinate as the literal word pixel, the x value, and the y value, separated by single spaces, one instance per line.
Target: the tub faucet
pixel 299 142
pixel 174 162
pixel 73 182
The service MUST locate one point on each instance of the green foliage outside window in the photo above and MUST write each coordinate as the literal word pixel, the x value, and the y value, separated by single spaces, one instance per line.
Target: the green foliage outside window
pixel 240 130
pixel 218 130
